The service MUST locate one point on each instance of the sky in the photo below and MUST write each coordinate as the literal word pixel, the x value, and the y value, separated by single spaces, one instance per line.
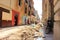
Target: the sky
pixel 38 7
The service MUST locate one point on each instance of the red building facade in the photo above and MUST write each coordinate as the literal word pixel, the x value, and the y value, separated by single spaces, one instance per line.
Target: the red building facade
pixel 15 18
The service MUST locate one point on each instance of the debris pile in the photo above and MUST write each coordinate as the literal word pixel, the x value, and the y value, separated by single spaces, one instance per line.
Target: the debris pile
pixel 26 33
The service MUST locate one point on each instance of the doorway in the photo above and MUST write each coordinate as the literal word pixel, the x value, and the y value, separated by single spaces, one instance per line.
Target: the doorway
pixel 16 20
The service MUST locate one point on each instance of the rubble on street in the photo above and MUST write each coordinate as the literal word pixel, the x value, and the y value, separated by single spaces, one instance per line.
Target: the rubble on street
pixel 24 33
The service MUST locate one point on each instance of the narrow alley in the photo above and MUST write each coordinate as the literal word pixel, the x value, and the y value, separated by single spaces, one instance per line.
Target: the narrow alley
pixel 29 19
pixel 19 33
pixel 16 33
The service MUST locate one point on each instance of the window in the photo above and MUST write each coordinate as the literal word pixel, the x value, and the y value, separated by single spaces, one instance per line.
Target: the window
pixel 25 9
pixel 29 13
pixel 19 2
pixel 26 1
pixel 33 14
pixel 30 6
pixel 45 7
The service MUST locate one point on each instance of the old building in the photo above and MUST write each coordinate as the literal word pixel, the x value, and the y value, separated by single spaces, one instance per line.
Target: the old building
pixel 52 11
pixel 47 10
pixel 37 19
pixel 57 20
pixel 28 11
pixel 44 12
pixel 12 12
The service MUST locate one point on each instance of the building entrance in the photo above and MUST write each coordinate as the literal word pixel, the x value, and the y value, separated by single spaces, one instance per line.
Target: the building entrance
pixel 16 20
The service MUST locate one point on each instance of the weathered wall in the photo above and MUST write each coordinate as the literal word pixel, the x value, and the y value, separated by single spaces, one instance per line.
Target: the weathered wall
pixel 9 5
pixel 46 13
pixel 57 20
pixel 6 4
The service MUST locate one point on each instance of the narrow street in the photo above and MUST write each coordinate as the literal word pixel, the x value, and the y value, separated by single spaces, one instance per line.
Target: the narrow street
pixel 5 32
pixel 15 33
pixel 23 33
pixel 29 19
